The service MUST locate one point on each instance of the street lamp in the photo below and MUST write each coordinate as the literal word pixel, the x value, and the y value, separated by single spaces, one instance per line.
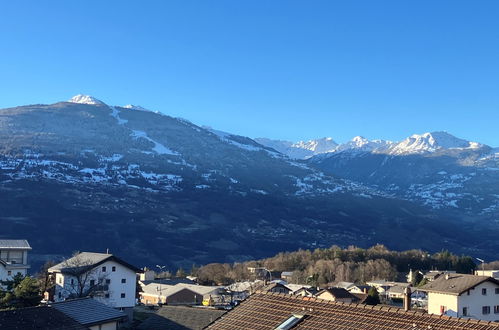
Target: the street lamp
pixel 482 261
pixel 161 269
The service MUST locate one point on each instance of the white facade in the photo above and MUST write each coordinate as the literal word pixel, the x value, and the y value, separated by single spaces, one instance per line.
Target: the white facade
pixel 118 284
pixel 481 303
pixel 13 261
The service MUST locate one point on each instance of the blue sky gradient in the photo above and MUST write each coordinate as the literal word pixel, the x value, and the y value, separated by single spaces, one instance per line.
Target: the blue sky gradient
pixel 286 69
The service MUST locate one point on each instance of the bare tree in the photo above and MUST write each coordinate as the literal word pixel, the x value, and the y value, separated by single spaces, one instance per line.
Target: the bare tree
pixel 87 280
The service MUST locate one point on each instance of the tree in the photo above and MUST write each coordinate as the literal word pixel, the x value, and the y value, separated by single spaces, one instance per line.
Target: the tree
pixel 27 293
pixel 372 296
pixel 180 273
pixel 417 278
pixel 87 279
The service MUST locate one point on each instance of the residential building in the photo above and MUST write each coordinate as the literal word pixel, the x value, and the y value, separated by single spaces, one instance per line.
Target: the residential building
pixel 179 294
pixel 91 313
pixel 336 294
pixel 461 295
pixel 287 276
pixel 491 273
pixel 278 311
pixel 102 276
pixel 277 287
pixel 13 258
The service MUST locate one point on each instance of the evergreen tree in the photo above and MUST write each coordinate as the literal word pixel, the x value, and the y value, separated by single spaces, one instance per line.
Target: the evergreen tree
pixel 372 296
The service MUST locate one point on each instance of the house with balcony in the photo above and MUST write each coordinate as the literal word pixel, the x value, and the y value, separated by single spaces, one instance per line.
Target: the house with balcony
pixel 13 258
pixel 104 277
pixel 463 295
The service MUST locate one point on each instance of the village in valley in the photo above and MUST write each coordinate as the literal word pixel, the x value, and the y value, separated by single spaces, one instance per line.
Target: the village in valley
pixel 95 290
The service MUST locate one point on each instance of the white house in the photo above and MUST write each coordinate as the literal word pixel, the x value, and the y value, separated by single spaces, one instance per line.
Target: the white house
pixel 102 276
pixel 13 258
pixel 462 295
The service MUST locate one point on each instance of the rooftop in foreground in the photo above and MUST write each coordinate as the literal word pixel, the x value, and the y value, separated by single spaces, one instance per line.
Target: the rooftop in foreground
pixel 271 311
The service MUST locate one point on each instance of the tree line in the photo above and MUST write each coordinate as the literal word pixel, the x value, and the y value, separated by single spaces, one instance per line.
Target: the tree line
pixel 321 267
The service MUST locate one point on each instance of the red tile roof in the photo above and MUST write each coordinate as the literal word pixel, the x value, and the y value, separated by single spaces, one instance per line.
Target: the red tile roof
pixel 269 310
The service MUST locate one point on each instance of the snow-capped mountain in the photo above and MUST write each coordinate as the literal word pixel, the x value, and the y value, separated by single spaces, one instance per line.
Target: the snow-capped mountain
pixel 430 142
pixel 415 144
pixel 100 175
pixel 85 99
pixel 300 149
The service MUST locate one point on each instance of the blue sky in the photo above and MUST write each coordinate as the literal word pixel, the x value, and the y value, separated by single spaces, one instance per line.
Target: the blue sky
pixel 281 69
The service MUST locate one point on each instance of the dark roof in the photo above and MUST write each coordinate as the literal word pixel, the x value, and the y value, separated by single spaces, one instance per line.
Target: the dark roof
pixel 39 318
pixel 85 260
pixel 88 311
pixel 181 318
pixel 274 285
pixel 456 284
pixel 269 310
pixel 14 244
pixel 338 293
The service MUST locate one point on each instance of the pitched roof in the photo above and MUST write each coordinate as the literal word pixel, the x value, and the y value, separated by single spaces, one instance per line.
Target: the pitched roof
pixel 338 293
pixel 14 244
pixel 88 311
pixel 275 285
pixel 39 318
pixel 85 260
pixel 167 290
pixel 181 318
pixel 269 310
pixel 456 284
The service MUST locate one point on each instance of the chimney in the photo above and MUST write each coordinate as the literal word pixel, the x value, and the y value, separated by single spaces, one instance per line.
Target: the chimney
pixel 407 298
pixel 447 276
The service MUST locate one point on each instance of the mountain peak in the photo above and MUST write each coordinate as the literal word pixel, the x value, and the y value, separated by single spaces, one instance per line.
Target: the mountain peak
pixel 85 99
pixel 431 141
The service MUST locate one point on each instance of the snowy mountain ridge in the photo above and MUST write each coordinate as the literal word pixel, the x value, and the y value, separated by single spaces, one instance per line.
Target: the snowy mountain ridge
pixel 415 144
pixel 85 99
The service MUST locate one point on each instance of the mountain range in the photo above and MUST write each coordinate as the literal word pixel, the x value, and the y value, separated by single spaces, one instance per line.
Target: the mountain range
pixel 84 175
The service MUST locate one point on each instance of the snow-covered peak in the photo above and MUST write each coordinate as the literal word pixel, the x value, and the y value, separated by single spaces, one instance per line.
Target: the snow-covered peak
pixel 85 99
pixel 136 107
pixel 318 146
pixel 430 142
pixel 361 144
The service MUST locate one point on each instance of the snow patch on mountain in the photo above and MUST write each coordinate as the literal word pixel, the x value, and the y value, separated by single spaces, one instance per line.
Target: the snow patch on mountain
pixel 116 114
pixel 136 107
pixel 85 99
pixel 159 148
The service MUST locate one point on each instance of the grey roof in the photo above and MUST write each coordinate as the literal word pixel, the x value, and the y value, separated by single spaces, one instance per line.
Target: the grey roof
pixel 88 311
pixel 85 260
pixel 14 244
pixel 456 284
pixel 181 318
pixel 40 318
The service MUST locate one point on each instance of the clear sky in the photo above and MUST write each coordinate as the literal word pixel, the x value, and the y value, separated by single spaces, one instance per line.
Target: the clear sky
pixel 265 68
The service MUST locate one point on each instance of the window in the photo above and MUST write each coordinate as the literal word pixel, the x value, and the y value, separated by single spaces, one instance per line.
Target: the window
pixel 108 281
pixel 9 272
pixel 92 282
pixel 60 295
pixel 496 309
pixel 465 311
pixel 484 291
pixel 106 295
pixel 443 309
pixel 114 268
pixel 104 269
pixel 122 295
pixel 123 280
pixel 290 322
pixel 497 290
pixel 485 310
pixel 60 280
pixel 72 281
pixel 468 292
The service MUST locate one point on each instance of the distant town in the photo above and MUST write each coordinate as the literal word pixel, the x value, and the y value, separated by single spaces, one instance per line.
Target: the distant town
pixel 326 288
